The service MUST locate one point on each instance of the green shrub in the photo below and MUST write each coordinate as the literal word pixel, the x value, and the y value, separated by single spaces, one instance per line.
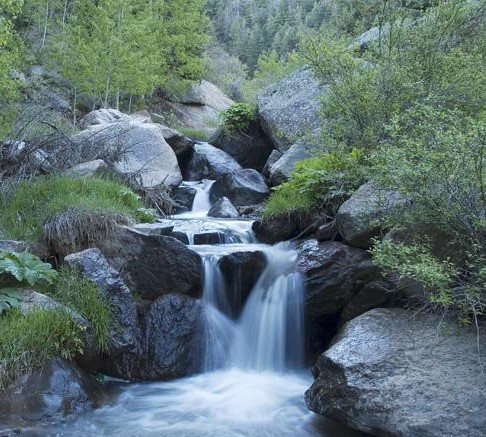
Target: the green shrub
pixel 28 340
pixel 238 117
pixel 76 291
pixel 194 134
pixel 321 183
pixel 28 207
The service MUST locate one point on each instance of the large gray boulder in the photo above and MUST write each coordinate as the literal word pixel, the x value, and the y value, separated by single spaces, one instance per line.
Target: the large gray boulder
pixel 250 146
pixel 199 108
pixel 136 149
pixel 290 109
pixel 152 265
pixel 242 187
pixel 57 390
pixel 102 117
pixel 125 337
pixel 171 337
pixel 392 373
pixel 209 162
pixel 88 169
pixel 362 217
pixel 281 169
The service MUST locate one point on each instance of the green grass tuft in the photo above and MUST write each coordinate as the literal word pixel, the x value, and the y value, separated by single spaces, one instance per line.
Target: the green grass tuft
pixel 27 341
pixel 26 208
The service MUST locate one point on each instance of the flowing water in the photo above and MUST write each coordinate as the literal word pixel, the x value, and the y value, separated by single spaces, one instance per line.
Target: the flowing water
pixel 253 380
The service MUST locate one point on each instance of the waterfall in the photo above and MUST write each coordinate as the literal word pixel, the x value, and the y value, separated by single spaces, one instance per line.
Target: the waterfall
pixel 269 334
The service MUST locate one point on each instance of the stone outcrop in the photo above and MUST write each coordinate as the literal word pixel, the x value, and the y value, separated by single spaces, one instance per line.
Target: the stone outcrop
pixel 57 390
pixel 290 110
pixel 208 162
pixel 250 147
pixel 361 217
pixel 242 187
pixel 282 168
pixel 152 265
pixel 88 169
pixel 223 208
pixel 392 373
pixel 136 149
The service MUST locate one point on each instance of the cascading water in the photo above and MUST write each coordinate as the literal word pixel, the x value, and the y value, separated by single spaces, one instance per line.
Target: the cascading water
pixel 250 385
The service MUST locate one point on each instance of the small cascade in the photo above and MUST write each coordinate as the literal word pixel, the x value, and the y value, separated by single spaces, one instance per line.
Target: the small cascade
pixel 202 203
pixel 271 329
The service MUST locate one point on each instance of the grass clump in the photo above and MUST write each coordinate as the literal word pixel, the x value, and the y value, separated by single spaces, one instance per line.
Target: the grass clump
pixel 194 134
pixel 321 183
pixel 75 291
pixel 33 205
pixel 27 341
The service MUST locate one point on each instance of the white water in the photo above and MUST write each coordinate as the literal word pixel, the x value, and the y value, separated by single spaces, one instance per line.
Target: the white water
pixel 253 381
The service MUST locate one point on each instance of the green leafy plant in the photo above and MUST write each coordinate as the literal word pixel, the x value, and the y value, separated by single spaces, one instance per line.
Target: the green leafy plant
pixel 26 268
pixel 319 183
pixel 10 298
pixel 238 117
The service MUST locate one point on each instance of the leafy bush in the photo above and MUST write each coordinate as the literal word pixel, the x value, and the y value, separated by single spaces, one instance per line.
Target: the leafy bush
pixel 78 292
pixel 28 340
pixel 29 206
pixel 238 117
pixel 320 183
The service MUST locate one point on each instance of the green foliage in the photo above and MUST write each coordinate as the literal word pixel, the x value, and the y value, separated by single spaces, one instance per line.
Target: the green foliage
pixel 319 183
pixel 10 298
pixel 26 268
pixel 119 49
pixel 194 134
pixel 76 291
pixel 28 207
pixel 27 341
pixel 238 117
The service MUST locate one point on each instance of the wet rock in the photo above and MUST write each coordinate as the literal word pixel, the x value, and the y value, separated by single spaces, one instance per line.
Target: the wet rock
pixel 209 238
pixel 208 162
pixel 57 390
pixel 335 272
pixel 392 373
pixel 249 147
pixel 242 187
pixel 184 197
pixel 124 349
pixel 275 229
pixel 171 337
pixel 223 208
pixel 152 266
pixel 361 217
pixel 241 271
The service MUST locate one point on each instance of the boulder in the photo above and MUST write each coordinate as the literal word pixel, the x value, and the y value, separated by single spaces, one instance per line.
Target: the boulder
pixel 125 337
pixel 223 208
pixel 242 187
pixel 154 229
pixel 393 373
pixel 290 109
pixel 335 272
pixel 143 116
pixel 152 266
pixel 280 228
pixel 281 170
pixel 200 106
pixel 210 237
pixel 171 337
pixel 13 246
pixel 241 271
pixel 272 159
pixel 88 169
pixel 135 149
pixel 208 162
pixel 249 147
pixel 184 196
pixel 361 218
pixel 102 117
pixel 57 390
pixel 180 143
